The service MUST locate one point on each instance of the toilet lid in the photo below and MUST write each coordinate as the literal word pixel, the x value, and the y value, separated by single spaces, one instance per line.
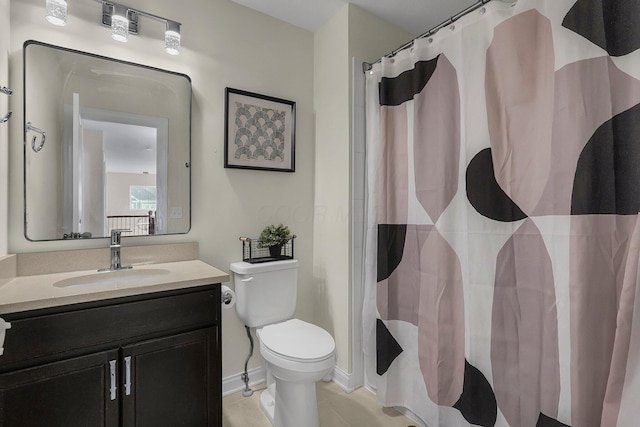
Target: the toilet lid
pixel 296 339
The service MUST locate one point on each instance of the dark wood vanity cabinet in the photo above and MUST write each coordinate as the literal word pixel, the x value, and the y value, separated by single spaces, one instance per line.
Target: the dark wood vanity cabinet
pixel 172 382
pixel 71 392
pixel 150 360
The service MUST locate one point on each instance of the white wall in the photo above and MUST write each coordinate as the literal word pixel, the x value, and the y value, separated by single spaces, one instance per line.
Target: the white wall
pixel 48 161
pixel 94 183
pixel 4 107
pixel 371 37
pixel 351 32
pixel 331 228
pixel 223 44
pixel 118 199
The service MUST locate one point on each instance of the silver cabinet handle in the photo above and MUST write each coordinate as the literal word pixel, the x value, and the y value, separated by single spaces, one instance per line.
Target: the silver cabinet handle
pixel 127 375
pixel 112 369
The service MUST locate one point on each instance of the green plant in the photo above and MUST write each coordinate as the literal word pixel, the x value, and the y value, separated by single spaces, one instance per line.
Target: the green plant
pixel 273 235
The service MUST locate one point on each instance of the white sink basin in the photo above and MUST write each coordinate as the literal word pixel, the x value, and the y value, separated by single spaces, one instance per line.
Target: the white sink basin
pixel 118 277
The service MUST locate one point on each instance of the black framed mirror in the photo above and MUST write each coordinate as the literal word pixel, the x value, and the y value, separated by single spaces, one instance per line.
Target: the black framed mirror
pixel 107 145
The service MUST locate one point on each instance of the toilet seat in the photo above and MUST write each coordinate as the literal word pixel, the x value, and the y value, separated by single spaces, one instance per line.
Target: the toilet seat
pixel 297 341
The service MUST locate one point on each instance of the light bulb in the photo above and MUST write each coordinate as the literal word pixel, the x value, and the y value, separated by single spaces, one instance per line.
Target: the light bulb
pixel 172 38
pixel 57 12
pixel 119 23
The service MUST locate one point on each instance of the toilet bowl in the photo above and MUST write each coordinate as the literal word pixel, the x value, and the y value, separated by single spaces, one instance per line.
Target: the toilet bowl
pixel 297 354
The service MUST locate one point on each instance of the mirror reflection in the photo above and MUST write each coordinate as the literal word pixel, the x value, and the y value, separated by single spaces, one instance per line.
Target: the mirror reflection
pixel 115 146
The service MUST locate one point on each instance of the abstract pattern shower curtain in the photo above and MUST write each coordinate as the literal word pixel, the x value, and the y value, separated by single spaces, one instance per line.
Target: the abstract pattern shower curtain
pixel 503 235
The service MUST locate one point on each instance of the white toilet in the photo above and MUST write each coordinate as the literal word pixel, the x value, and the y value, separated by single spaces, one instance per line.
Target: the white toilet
pixel 297 353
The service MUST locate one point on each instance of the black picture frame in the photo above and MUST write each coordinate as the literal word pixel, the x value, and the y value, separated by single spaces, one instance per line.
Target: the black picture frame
pixel 259 132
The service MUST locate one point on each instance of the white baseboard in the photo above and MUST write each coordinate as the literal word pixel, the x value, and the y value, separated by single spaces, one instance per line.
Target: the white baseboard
pixel 347 382
pixel 404 411
pixel 234 383
pixel 413 417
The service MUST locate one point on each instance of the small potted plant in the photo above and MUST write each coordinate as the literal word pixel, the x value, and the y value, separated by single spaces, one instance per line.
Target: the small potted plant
pixel 274 237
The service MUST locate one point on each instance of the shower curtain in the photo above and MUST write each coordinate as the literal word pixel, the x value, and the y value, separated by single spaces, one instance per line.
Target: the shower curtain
pixel 503 239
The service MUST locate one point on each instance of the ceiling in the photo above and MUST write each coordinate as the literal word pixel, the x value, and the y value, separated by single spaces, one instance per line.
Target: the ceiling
pixel 414 16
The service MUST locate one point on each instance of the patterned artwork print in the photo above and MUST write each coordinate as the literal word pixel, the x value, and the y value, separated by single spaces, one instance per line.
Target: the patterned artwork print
pixel 260 133
pixel 559 170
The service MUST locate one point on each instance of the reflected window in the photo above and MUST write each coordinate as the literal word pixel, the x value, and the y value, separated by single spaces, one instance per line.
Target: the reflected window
pixel 142 197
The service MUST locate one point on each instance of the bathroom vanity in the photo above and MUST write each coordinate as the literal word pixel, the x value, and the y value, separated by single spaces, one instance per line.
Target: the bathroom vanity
pixel 139 346
pixel 146 353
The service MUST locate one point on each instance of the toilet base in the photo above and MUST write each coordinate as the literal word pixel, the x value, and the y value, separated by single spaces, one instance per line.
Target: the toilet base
pixel 267 404
pixel 303 410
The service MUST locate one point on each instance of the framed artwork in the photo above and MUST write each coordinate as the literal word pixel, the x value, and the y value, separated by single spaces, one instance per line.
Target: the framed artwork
pixel 259 132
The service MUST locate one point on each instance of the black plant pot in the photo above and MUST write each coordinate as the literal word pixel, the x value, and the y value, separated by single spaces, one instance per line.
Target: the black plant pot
pixel 275 251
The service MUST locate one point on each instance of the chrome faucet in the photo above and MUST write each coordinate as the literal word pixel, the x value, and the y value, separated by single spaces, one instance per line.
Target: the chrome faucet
pixel 115 251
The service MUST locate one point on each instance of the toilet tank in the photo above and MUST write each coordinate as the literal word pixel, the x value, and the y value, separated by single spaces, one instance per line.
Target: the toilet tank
pixel 266 292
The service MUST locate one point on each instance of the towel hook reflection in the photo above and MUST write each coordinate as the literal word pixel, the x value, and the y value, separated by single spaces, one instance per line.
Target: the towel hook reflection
pixel 42 133
pixel 7 92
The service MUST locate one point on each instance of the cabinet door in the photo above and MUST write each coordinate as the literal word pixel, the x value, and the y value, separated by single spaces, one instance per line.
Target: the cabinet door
pixel 173 381
pixel 71 393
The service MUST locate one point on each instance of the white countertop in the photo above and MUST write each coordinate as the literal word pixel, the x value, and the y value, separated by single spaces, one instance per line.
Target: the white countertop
pixel 24 293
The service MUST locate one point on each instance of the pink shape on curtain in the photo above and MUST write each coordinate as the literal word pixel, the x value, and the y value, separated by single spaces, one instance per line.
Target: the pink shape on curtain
pixel 393 178
pixel 436 139
pixel 524 331
pixel 587 94
pixel 519 97
pixel 598 268
pixel 426 290
pixel 540 120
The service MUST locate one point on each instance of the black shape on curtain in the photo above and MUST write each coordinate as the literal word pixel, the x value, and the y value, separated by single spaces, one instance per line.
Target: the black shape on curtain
pixel 477 402
pixel 396 90
pixel 607 175
pixel 611 24
pixel 387 348
pixel 391 239
pixel 544 421
pixel 484 193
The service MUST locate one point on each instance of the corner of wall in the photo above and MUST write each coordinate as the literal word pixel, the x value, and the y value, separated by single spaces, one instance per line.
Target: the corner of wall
pixel 371 37
pixel 351 32
pixel 332 167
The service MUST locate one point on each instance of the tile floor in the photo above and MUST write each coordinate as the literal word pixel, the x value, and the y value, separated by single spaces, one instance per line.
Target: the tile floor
pixel 336 408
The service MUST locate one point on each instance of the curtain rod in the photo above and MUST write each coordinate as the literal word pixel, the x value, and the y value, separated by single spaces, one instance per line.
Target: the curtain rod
pixel 368 66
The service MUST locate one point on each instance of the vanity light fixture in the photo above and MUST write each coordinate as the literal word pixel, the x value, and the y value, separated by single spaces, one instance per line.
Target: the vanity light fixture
pixel 120 23
pixel 123 21
pixel 172 38
pixel 57 12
